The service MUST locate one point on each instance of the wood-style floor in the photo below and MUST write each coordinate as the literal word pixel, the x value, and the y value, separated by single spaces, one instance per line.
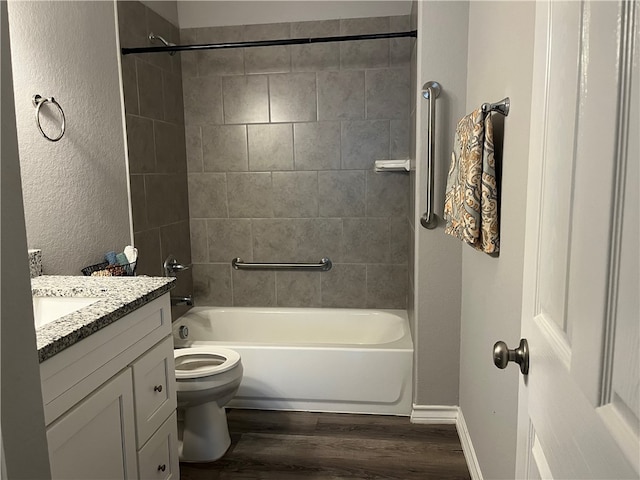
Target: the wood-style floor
pixel 300 445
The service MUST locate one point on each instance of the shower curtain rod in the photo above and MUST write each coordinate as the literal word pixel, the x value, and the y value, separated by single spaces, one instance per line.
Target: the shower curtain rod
pixel 266 43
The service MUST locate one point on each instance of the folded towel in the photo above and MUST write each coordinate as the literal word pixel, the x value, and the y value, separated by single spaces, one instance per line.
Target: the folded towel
pixel 111 258
pixel 122 259
pixel 471 198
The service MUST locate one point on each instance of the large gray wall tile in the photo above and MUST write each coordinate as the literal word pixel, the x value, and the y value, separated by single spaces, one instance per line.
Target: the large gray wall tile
pixel 344 286
pixel 132 24
pixel 267 59
pixel 270 147
pixel 207 195
pixel 387 93
pixel 246 99
pixel 387 194
pixel 317 145
pixel 149 255
pixel 229 238
pixel 340 95
pixel 150 90
pixel 170 147
pixel 140 143
pixel 266 31
pixel 138 203
pixel 341 193
pixel 188 61
pixel 297 240
pixel 399 234
pixel 318 56
pixel 298 289
pixel 366 240
pixel 399 139
pixel 364 53
pixel 363 142
pixel 293 97
pixel 130 85
pixel 202 100
pixel 199 246
pixel 400 48
pixel 167 200
pixel 220 62
pixel 254 288
pixel 387 286
pixel 193 144
pixel 212 285
pixel 173 101
pixel 295 194
pixel 249 195
pixel 224 148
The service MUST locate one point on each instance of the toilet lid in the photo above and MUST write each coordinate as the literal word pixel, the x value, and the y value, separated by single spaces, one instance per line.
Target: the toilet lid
pixel 197 362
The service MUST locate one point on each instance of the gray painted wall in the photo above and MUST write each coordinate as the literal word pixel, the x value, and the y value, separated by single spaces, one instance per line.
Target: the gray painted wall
pixel 24 441
pixel 441 56
pixel 75 190
pixel 156 145
pixel 500 64
pixel 281 143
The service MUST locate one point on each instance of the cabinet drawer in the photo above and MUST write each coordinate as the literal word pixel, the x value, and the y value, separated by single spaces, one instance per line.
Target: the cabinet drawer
pixel 158 459
pixel 154 384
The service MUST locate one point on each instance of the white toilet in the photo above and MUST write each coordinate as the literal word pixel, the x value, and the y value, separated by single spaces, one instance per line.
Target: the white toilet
pixel 207 378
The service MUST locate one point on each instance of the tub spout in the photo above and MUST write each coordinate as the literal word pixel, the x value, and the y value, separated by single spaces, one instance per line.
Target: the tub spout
pixel 178 301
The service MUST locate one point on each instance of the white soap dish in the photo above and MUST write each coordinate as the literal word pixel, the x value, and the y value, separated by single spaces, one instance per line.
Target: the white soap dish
pixel 392 165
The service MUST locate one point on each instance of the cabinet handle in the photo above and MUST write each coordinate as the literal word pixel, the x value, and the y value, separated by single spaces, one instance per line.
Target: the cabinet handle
pixel 162 468
pixel 157 388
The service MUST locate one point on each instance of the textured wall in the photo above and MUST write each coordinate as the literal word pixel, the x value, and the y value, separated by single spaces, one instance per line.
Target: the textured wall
pixel 75 190
pixel 155 139
pixel 24 440
pixel 281 143
pixel 499 66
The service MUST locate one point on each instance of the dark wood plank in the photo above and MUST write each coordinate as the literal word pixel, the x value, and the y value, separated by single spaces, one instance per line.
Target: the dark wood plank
pixel 301 445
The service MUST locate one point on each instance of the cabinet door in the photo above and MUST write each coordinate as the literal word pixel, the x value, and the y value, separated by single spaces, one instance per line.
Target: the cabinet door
pixel 96 438
pixel 154 382
pixel 158 459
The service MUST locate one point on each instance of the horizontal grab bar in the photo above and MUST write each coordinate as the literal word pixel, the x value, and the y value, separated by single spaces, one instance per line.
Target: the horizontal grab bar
pixel 324 265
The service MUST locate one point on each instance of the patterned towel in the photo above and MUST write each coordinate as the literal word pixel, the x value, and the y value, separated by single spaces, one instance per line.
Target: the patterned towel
pixel 471 198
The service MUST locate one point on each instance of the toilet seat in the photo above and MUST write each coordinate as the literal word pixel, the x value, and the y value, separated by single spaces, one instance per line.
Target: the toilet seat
pixel 198 362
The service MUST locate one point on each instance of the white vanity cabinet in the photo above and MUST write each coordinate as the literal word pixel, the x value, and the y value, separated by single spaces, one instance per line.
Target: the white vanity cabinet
pixel 110 401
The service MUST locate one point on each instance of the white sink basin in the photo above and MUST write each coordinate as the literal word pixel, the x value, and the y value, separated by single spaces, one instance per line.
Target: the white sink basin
pixel 48 309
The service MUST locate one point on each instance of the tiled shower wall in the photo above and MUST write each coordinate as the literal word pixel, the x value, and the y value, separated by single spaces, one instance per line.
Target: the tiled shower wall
pixel 155 139
pixel 281 143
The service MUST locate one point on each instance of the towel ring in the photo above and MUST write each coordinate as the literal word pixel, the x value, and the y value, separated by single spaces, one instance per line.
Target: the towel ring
pixel 38 102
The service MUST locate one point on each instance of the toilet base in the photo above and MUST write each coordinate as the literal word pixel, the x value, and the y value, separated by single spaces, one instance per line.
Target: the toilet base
pixel 203 434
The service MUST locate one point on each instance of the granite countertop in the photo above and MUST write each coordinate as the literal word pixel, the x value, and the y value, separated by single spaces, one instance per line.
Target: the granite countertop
pixel 118 297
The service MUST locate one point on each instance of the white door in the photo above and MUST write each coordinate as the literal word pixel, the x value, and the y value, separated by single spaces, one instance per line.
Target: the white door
pixel 579 404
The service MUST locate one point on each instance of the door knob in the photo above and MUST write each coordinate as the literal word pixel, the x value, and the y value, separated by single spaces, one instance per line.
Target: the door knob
pixel 502 355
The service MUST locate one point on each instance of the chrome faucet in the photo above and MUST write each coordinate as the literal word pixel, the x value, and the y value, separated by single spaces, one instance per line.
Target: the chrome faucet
pixel 178 301
pixel 171 266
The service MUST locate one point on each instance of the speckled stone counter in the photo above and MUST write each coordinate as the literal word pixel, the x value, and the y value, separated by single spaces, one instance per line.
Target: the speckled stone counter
pixel 118 297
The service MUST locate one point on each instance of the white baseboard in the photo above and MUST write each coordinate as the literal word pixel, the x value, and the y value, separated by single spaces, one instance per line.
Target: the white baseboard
pixel 434 414
pixel 467 448
pixel 450 414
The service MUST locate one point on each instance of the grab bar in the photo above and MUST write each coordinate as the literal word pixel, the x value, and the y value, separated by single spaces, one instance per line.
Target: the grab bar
pixel 324 265
pixel 430 91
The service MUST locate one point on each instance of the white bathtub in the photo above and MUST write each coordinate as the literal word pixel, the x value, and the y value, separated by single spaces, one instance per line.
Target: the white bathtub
pixel 315 359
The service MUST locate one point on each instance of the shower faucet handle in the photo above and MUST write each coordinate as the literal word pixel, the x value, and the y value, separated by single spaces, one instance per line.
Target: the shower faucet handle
pixel 171 266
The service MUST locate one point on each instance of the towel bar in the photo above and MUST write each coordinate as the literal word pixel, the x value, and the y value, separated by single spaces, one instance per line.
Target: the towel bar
pixel 324 265
pixel 501 107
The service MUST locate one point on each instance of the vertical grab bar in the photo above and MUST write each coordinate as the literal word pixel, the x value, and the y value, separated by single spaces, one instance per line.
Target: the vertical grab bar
pixel 430 91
